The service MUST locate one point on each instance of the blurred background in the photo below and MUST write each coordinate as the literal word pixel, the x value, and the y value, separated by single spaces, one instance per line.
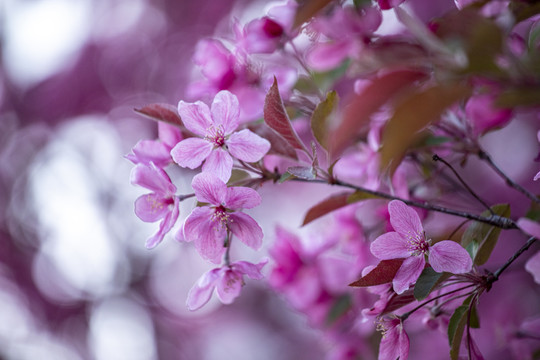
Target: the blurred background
pixel 76 281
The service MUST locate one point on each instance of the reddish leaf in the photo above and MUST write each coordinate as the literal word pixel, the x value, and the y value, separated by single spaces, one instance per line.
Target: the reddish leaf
pixel 307 9
pixel 279 146
pixel 161 112
pixel 360 108
pixel 329 204
pixel 383 273
pixel 276 117
pixel 398 301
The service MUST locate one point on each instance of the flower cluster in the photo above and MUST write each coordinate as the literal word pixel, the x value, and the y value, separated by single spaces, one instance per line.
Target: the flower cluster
pixel 417 101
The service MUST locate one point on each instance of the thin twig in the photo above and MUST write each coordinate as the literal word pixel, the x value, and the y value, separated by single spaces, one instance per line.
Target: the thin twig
pixel 524 248
pixel 485 156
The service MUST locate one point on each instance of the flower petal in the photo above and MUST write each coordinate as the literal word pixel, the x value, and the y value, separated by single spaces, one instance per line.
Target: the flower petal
pixel 201 292
pixel 228 287
pixel 219 163
pixel 152 178
pixel 533 266
pixel 250 269
pixel 449 256
pixel 147 151
pixel 164 226
pixel 209 188
pixel 207 235
pixel 390 246
pixel 529 226
pixel 408 273
pixel 247 146
pixel 226 110
pixel 246 230
pixel 151 207
pixel 195 116
pixel 191 152
pixel 241 198
pixel 404 219
pixel 395 342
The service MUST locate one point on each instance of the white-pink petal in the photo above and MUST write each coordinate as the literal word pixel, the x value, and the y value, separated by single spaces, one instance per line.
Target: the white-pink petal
pixel 251 270
pixel 408 273
pixel 195 116
pixel 390 246
pixel 152 178
pixel 219 163
pixel 191 152
pixel 164 226
pixel 247 146
pixel 226 110
pixel 449 256
pixel 241 198
pixel 201 292
pixel 246 230
pixel 404 219
pixel 209 188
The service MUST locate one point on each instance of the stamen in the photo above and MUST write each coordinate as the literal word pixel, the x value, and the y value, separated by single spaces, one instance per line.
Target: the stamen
pixel 215 135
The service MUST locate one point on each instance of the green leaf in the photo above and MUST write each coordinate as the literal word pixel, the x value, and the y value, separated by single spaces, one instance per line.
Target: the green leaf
pixel 326 206
pixel 285 177
pixel 307 9
pixel 427 281
pixel 519 96
pixel 475 320
pixel 340 306
pixel 325 80
pixel 238 175
pixel 383 273
pixel 360 195
pixel 455 330
pixel 319 119
pixel 411 116
pixel 534 211
pixel 484 236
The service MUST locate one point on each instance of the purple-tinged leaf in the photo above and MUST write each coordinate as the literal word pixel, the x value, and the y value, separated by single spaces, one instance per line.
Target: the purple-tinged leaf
pixel 161 112
pixel 276 117
pixel 383 273
pixel 411 116
pixel 303 172
pixel 398 301
pixel 326 206
pixel 456 326
pixel 357 113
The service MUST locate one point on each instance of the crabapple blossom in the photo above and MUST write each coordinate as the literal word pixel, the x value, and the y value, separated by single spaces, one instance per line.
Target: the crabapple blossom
pixel 161 204
pixel 219 141
pixel 156 151
pixel 226 280
pixel 209 226
pixel 408 241
pixel 394 342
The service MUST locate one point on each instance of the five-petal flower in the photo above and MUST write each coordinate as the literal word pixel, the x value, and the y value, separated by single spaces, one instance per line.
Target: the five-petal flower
pixel 218 140
pixel 208 226
pixel 227 280
pixel 408 241
pixel 161 204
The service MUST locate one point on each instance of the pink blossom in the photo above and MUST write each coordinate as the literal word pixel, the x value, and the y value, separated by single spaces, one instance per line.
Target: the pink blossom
pixel 537 176
pixel 266 34
pixel 389 4
pixel 394 342
pixel 218 142
pixel 345 33
pixel 156 151
pixel 161 204
pixel 208 226
pixel 226 280
pixel 483 114
pixel 408 241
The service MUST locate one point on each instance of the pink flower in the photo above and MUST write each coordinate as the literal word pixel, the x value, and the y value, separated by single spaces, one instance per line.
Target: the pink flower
pixel 408 241
pixel 156 151
pixel 161 204
pixel 394 342
pixel 389 4
pixel 227 281
pixel 346 32
pixel 218 142
pixel 208 226
pixel 484 115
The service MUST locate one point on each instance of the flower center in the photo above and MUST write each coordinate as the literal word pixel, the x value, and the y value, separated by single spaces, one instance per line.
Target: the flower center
pixel 271 28
pixel 215 135
pixel 221 215
pixel 417 244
